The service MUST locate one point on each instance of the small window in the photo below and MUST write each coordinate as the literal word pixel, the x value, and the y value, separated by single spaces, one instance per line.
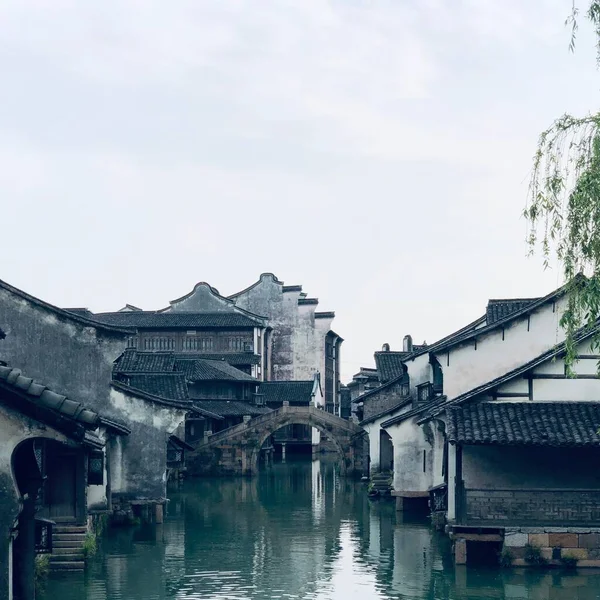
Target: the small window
pixel 96 468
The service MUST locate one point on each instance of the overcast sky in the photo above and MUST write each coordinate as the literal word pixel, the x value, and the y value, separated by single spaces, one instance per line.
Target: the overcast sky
pixel 376 152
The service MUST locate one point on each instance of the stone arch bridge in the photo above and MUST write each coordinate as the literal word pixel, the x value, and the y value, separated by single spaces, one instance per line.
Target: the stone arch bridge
pixel 235 451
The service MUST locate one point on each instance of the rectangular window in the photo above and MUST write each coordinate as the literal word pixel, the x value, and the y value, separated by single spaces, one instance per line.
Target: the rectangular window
pixel 424 461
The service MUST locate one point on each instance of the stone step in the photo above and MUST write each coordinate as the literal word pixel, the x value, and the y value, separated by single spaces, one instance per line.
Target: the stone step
pixel 69 529
pixel 70 557
pixel 71 565
pixel 68 537
pixel 68 544
pixel 62 550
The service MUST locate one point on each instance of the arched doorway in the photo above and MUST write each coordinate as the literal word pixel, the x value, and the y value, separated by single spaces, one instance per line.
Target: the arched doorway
pixel 50 480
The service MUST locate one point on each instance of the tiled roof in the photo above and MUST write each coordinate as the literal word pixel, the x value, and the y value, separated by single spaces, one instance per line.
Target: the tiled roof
pixel 525 423
pixel 145 362
pixel 211 370
pixel 175 320
pixel 233 358
pixel 389 364
pixel 231 408
pixel 294 392
pixel 42 396
pixel 171 386
pixel 500 309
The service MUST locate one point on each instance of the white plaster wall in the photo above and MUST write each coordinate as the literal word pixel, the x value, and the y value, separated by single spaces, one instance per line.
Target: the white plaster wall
pixel 322 327
pixel 494 356
pixel 437 456
pixel 372 430
pixel 451 482
pixel 118 467
pixel 410 442
pixel 579 390
pixel 559 390
pixel 306 360
pixel 137 410
pixel 516 386
pixel 419 370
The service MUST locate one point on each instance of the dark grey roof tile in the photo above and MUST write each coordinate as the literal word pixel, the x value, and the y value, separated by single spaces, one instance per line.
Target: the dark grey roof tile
pixel 177 320
pixel 525 423
pixel 294 392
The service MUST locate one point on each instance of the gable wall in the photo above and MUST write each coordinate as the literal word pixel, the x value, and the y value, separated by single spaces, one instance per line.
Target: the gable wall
pixel 67 356
pixel 498 352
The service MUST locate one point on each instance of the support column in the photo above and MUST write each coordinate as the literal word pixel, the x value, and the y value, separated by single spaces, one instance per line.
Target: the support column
pixel 460 552
pixel 159 513
pixel 283 452
pixel 459 487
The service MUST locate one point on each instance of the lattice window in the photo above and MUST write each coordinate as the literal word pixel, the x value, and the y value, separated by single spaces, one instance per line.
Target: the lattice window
pixel 96 468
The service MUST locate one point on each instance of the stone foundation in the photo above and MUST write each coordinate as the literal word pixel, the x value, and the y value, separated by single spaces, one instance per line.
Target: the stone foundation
pixel 130 512
pixel 555 545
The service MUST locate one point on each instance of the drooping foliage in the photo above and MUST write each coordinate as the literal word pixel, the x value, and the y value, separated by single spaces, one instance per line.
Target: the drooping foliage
pixel 563 208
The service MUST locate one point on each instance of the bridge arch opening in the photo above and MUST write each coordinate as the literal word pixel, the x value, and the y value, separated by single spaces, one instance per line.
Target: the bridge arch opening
pixel 309 424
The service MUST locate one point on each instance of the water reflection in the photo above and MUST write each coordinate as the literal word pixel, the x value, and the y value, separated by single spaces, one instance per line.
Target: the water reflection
pixel 296 532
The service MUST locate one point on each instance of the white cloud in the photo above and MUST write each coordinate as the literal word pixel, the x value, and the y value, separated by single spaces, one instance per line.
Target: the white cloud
pixel 368 149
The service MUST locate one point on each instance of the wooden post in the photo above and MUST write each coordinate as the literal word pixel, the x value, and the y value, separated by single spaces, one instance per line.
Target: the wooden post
pixel 459 486
pixel 460 552
pixel 159 513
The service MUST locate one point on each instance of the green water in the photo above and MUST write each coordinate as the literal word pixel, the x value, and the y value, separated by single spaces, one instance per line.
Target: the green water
pixel 297 531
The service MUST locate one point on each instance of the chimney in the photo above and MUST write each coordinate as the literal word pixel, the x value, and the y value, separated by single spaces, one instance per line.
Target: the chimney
pixel 385 348
pixel 407 344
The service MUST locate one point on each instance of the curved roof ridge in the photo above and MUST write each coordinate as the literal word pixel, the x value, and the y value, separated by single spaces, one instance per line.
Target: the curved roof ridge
pixel 262 276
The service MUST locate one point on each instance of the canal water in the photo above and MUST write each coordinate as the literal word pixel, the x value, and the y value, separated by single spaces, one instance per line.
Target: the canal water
pixel 298 531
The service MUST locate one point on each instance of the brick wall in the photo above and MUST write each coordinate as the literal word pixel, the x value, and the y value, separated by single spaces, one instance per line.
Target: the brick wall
pixel 563 507
pixel 382 400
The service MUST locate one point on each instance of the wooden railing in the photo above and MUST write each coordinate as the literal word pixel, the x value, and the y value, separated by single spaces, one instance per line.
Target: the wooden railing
pixel 438 498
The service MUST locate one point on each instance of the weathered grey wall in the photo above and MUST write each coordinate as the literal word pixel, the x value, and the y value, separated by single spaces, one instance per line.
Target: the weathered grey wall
pixel 138 462
pixel 64 354
pixel 75 359
pixel 267 298
pixel 203 298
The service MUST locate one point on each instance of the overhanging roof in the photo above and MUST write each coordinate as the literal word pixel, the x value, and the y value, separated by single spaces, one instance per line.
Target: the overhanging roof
pixel 525 423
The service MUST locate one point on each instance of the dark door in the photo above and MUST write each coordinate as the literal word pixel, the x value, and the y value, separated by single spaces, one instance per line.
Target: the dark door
pixel 61 485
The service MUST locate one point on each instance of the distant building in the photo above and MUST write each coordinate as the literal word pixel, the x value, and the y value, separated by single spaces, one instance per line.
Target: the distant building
pixel 270 331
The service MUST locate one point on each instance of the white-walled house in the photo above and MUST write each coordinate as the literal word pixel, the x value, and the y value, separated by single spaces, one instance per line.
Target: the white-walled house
pixel 521 454
pixel 510 333
pixel 499 438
